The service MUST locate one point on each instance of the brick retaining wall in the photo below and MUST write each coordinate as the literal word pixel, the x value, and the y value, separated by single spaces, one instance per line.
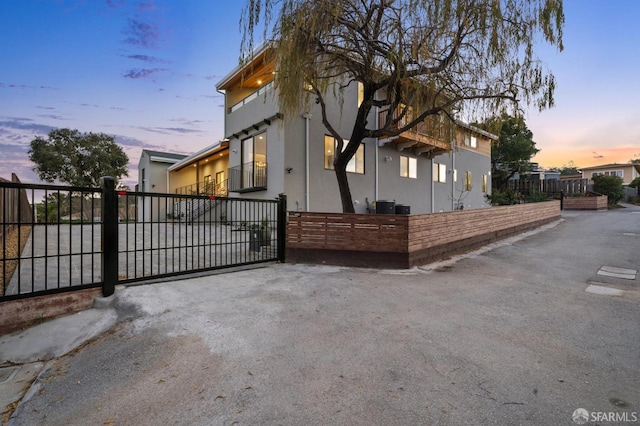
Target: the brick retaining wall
pixel 22 313
pixel 586 203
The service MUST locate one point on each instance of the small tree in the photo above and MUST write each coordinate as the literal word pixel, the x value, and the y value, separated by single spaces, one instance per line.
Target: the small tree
pixel 512 152
pixel 79 159
pixel 416 58
pixel 611 186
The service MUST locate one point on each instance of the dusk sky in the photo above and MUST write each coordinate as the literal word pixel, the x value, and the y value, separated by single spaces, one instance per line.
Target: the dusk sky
pixel 145 72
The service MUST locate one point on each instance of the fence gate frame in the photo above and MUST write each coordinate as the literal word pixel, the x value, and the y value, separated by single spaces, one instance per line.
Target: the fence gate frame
pixel 240 223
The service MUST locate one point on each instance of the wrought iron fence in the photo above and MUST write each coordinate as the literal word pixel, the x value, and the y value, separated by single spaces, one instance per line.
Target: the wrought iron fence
pixel 54 247
pixel 86 237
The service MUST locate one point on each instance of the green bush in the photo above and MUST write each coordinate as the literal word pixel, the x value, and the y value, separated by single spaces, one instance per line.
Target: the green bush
pixel 536 197
pixel 502 198
pixel 611 186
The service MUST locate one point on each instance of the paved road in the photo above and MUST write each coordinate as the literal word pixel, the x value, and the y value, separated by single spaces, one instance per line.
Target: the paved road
pixel 504 336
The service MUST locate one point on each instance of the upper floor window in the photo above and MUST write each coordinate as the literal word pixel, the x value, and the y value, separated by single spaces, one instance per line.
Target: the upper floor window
pixel 355 165
pixel 470 140
pixel 408 167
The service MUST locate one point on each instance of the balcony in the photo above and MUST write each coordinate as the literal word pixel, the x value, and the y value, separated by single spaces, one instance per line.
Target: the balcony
pixel 248 177
pixel 430 135
pixel 205 188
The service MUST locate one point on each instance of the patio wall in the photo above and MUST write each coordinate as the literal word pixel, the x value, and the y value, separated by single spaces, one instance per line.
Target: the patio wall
pixel 404 241
pixel 586 203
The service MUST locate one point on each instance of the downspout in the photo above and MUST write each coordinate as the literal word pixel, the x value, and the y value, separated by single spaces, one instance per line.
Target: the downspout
pixel 377 157
pixel 453 172
pixel 307 118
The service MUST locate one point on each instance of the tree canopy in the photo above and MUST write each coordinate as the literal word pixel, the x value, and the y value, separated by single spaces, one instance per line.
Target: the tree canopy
pixel 513 150
pixel 419 57
pixel 569 169
pixel 78 159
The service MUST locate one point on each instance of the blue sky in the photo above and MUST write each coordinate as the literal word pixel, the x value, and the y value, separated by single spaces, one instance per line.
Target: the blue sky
pixel 145 72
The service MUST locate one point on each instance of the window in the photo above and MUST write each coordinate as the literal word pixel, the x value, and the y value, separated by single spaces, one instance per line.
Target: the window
pixel 467 181
pixel 470 141
pixel 484 183
pixel 408 167
pixel 439 172
pixel 360 93
pixel 619 173
pixel 254 161
pixel 355 165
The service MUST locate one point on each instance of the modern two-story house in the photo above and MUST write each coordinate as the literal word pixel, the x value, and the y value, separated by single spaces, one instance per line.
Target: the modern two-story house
pixel 271 154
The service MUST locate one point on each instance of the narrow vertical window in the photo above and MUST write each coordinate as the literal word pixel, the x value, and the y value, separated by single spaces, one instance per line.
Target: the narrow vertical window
pixel 467 181
pixel 484 183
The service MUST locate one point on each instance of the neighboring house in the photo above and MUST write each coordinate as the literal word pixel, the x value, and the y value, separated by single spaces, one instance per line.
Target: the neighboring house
pixel 152 177
pixel 537 173
pixel 270 154
pixel 627 172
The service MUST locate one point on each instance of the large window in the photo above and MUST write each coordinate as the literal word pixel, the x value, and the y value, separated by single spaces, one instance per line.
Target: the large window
pixel 408 167
pixel 356 164
pixel 439 172
pixel 254 161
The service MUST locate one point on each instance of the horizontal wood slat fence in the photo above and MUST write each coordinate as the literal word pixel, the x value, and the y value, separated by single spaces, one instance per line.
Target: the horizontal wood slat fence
pixel 404 241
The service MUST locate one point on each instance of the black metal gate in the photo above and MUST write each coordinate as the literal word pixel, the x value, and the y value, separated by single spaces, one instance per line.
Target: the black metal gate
pixel 86 237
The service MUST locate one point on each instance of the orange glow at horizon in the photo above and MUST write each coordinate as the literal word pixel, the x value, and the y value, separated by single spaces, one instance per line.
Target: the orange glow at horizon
pixel 585 157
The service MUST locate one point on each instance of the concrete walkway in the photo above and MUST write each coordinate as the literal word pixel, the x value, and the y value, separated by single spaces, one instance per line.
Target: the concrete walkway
pixel 511 334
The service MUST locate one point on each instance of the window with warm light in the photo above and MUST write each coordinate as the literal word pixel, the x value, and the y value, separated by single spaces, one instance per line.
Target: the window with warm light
pixel 408 167
pixel 355 165
pixel 467 181
pixel 254 161
pixel 484 183
pixel 440 173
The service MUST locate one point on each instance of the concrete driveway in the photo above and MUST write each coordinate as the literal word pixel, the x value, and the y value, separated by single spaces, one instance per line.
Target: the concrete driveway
pixel 502 336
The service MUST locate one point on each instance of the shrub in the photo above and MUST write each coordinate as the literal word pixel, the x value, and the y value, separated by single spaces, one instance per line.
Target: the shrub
pixel 611 186
pixel 502 198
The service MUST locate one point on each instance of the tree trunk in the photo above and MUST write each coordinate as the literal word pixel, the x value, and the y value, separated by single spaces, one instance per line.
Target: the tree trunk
pixel 343 186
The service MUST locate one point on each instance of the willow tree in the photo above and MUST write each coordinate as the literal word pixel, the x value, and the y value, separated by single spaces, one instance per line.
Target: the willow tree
pixel 418 58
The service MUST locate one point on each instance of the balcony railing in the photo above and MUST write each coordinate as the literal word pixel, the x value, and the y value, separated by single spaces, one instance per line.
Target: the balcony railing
pixel 431 131
pixel 248 177
pixel 205 188
pixel 251 97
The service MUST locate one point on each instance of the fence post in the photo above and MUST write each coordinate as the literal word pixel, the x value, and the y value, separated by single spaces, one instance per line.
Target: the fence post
pixel 282 225
pixel 561 199
pixel 109 235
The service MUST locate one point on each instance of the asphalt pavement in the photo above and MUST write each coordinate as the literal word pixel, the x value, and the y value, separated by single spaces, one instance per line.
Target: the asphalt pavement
pixel 525 331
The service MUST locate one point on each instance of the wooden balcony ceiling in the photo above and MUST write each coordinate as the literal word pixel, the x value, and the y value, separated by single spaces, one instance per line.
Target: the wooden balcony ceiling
pixel 421 143
pixel 254 75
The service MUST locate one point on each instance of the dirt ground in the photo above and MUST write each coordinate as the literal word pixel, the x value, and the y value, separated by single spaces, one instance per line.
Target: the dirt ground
pixel 10 243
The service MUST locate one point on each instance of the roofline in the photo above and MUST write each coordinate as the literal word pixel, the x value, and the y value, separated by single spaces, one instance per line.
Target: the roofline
pixel 608 166
pixel 212 149
pixel 477 130
pixel 242 65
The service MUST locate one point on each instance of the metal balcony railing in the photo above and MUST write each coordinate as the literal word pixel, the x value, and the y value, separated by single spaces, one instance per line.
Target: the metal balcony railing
pixel 248 177
pixel 205 188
